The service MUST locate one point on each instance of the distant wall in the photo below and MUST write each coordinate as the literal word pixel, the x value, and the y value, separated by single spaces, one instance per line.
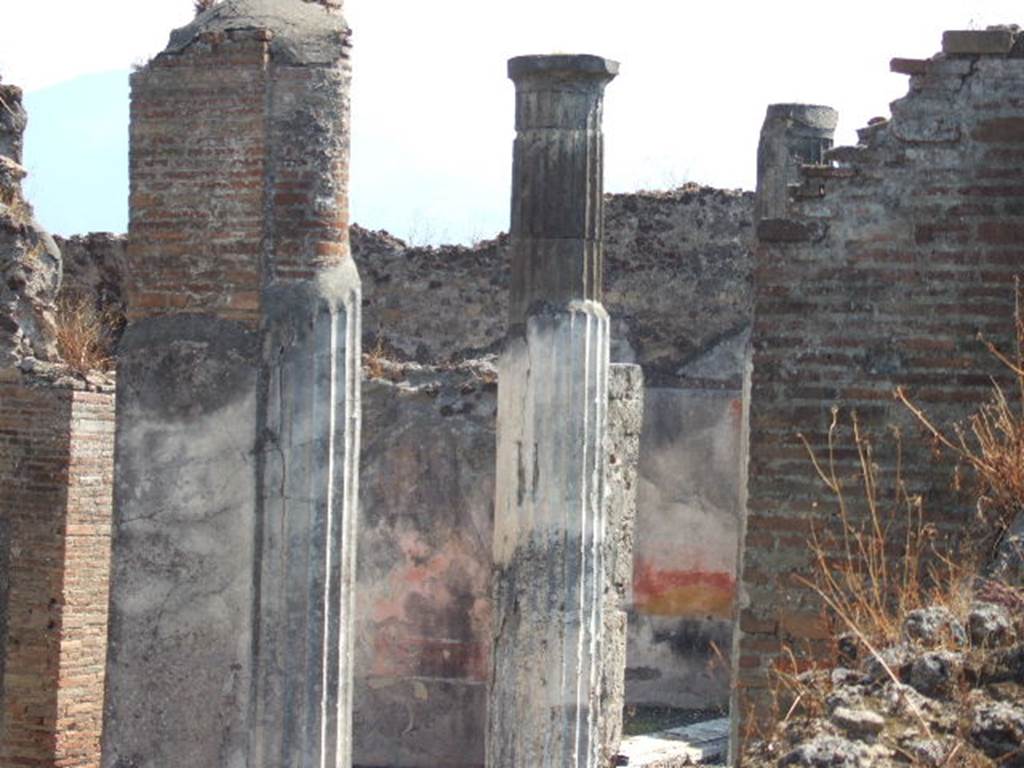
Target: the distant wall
pixel 94 266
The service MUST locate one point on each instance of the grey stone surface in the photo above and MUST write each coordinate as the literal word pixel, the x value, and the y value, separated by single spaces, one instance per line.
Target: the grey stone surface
pixel 548 551
pixel 303 33
pixel 557 182
pixel 827 751
pixel 30 263
pixel 998 729
pixel 858 723
pixel 544 704
pixel 974 42
pixel 625 423
pixel 700 744
pixel 13 121
pixel 307 535
pixel 792 135
pixel 94 267
pixel 678 285
pixel 936 674
pixel 990 626
pixel 933 626
pixel 1008 563
pixel 182 594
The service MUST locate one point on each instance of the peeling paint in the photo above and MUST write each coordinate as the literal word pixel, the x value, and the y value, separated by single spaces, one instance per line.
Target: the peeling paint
pixel 659 592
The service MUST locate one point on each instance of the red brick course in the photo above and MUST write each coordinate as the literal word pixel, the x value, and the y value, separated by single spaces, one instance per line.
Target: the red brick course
pixel 228 189
pixel 56 472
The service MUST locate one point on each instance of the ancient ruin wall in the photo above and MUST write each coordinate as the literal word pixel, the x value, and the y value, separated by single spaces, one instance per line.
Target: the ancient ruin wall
pixel 419 698
pixel 679 272
pixel 56 476
pixel 678 283
pixel 883 273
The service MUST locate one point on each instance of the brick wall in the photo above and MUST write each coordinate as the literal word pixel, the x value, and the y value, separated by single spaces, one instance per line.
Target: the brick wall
pixel 883 273
pixel 198 157
pixel 56 470
pixel 235 182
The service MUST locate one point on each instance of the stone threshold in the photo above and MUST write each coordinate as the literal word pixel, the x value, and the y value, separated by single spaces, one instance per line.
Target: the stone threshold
pixel 698 744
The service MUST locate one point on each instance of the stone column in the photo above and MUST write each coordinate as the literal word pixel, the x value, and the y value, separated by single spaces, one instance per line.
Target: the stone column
pixel 550 512
pixel 238 419
pixel 792 135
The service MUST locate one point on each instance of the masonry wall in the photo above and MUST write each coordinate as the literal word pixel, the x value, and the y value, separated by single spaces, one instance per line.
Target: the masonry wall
pixel 884 273
pixel 56 469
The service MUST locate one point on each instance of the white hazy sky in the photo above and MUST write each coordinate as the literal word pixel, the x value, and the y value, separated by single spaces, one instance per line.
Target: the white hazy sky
pixel 432 109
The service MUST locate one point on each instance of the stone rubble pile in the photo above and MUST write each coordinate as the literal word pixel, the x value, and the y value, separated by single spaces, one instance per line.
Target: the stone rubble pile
pixel 950 693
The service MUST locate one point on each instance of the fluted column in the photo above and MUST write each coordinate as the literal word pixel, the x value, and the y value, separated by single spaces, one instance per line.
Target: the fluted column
pixel 550 512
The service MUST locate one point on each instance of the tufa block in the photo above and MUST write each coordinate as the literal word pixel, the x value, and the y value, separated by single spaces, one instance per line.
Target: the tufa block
pixel 997 42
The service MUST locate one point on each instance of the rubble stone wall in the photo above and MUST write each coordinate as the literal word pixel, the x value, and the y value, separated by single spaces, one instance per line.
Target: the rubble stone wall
pixel 884 272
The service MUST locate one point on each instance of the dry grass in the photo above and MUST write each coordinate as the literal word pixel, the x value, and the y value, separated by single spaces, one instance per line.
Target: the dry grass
pixel 373 360
pixel 991 445
pixel 83 335
pixel 875 564
pixel 201 6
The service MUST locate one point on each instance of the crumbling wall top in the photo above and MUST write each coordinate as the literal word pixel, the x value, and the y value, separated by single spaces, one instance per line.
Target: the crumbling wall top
pixel 302 32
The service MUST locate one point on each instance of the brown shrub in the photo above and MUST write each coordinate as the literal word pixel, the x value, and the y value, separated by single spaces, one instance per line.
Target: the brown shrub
pixel 83 335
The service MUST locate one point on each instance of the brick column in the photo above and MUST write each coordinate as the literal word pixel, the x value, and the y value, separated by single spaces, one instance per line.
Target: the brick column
pixel 552 414
pixel 238 424
pixel 792 135
pixel 56 467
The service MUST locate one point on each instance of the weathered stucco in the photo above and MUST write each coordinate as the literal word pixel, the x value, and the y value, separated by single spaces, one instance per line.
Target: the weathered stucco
pixel 427 488
pixel 182 586
pixel 235 533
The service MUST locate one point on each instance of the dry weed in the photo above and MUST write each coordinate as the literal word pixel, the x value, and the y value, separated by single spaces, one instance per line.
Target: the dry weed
pixel 373 361
pixel 83 335
pixel 991 445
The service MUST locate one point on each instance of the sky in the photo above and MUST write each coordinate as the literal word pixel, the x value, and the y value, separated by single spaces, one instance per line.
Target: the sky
pixel 432 107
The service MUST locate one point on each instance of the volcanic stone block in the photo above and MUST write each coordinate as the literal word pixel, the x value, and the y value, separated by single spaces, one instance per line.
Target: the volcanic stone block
pixel 793 135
